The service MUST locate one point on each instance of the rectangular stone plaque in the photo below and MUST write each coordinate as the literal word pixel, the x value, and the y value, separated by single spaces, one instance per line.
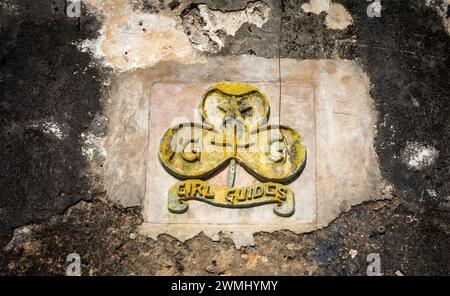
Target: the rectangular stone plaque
pixel 174 103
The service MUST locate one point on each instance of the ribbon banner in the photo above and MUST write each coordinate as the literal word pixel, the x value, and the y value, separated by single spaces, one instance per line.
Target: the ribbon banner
pixel 245 197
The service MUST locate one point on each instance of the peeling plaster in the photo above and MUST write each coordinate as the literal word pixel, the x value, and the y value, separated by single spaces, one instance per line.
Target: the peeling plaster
pixel 207 28
pixel 129 40
pixel 316 6
pixel 338 18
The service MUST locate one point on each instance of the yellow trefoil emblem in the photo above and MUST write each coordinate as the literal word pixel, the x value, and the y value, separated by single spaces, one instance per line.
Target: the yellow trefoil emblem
pixel 234 131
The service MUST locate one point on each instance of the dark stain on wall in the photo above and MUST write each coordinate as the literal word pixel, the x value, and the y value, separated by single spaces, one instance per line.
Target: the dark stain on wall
pixel 44 80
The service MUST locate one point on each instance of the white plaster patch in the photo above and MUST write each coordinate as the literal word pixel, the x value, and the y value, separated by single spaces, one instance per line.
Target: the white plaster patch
pixel 216 21
pixel 130 40
pixel 316 6
pixel 338 18
pixel 374 9
pixel 353 253
pixel 417 156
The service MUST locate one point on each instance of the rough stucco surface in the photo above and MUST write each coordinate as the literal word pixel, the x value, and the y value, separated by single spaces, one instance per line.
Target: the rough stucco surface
pixel 131 39
pixel 53 128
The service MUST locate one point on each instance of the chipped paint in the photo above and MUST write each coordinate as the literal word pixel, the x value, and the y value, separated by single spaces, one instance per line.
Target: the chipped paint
pixel 338 17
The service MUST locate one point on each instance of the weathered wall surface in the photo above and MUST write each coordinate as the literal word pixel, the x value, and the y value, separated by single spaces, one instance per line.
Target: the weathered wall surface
pixel 135 44
pixel 341 143
pixel 55 83
pixel 50 99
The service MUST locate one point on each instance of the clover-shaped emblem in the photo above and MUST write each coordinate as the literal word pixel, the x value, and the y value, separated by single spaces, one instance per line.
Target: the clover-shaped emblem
pixel 234 131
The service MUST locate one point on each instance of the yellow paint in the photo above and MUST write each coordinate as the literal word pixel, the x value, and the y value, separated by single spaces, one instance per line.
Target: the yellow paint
pixel 269 153
pixel 234 88
pixel 252 196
